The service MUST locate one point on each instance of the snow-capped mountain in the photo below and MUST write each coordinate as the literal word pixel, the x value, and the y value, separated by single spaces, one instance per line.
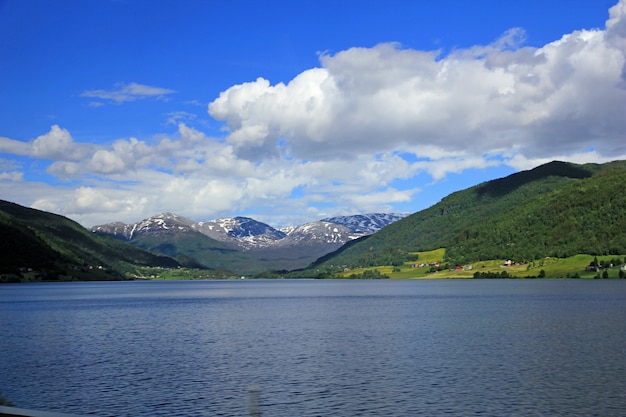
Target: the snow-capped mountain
pixel 316 232
pixel 160 223
pixel 117 230
pixel 247 233
pixel 366 224
pixel 244 243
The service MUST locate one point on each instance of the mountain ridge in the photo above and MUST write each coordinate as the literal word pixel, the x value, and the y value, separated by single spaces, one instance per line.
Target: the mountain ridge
pixel 555 209
pixel 244 244
pixel 50 246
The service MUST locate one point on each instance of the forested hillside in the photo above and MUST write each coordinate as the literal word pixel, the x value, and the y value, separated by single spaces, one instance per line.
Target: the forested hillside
pixel 558 209
pixel 48 246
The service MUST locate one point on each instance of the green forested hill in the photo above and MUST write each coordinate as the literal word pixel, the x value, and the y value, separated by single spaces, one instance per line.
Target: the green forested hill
pixel 557 209
pixel 203 250
pixel 52 246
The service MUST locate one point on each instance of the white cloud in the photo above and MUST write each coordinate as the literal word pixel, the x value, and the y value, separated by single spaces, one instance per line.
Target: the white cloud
pixel 439 168
pixel 64 170
pixel 106 162
pixel 220 185
pixel 14 147
pixel 616 26
pixel 91 205
pixel 127 92
pixel 543 102
pixel 520 162
pixel 176 117
pixel 14 176
pixel 374 200
pixel 87 199
pixel 57 144
pixel 45 204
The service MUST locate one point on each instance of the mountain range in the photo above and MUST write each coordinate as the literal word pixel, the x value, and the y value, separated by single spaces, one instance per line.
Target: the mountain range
pixel 243 244
pixel 554 210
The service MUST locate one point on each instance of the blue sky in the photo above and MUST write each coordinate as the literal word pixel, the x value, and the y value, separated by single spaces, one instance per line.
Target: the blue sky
pixel 288 111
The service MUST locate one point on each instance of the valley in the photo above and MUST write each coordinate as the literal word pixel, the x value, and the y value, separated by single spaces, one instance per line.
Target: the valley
pixel 551 221
pixel 242 244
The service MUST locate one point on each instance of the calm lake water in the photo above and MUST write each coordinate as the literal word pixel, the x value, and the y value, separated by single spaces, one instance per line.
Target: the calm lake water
pixel 316 348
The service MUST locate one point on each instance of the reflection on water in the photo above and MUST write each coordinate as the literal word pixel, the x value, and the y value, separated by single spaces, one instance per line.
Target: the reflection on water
pixel 316 348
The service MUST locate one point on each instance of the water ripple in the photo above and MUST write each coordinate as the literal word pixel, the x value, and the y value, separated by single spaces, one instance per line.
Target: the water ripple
pixel 316 348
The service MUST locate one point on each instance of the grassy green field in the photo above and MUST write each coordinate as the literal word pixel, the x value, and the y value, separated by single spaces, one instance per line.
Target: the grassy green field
pixel 552 267
pixel 181 274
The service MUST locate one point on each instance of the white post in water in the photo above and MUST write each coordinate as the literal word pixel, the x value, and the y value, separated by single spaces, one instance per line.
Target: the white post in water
pixel 254 396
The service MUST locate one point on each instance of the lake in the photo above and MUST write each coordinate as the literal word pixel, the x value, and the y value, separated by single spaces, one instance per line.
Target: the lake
pixel 316 348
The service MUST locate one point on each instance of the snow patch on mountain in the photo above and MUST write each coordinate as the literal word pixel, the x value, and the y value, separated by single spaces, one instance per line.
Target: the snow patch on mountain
pixel 164 222
pixel 117 230
pixel 320 231
pixel 249 234
pixel 366 224
pixel 243 231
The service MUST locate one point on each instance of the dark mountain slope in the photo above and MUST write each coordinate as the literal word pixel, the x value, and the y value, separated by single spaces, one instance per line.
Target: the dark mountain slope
pixel 54 244
pixel 553 210
pixel 502 186
pixel 17 245
pixel 208 252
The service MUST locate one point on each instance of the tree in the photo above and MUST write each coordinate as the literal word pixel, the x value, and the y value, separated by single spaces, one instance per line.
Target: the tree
pixel 369 274
pixel 542 274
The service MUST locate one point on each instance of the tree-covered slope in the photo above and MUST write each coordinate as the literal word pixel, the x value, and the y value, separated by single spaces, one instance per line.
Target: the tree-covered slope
pixel 208 252
pixel 556 209
pixel 54 245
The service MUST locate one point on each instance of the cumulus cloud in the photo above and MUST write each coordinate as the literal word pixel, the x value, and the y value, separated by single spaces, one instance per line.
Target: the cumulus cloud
pixel 201 177
pixel 89 205
pixel 540 102
pixel 616 26
pixel 57 144
pixel 14 176
pixel 377 199
pixel 442 166
pixel 127 92
pixel 120 158
pixel 14 147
